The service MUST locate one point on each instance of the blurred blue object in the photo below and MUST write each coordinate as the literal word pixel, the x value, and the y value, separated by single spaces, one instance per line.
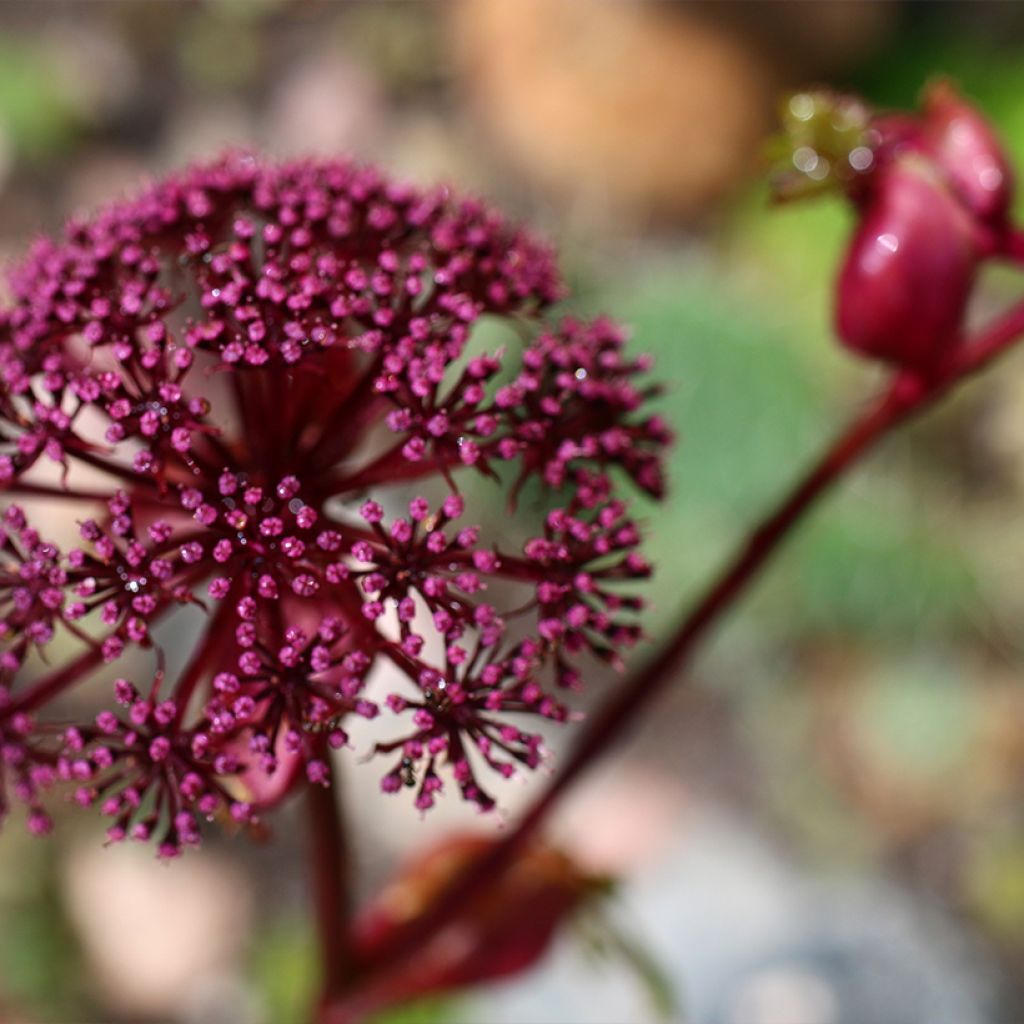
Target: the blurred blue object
pixel 747 938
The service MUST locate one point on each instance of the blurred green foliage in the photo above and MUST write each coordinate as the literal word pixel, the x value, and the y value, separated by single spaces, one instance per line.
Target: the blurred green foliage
pixel 35 114
pixel 40 962
pixel 918 719
pixel 751 399
pixel 284 967
pixel 423 1011
pixel 995 881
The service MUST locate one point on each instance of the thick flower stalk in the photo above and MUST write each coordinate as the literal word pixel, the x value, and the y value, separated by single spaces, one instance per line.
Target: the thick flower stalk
pixel 255 393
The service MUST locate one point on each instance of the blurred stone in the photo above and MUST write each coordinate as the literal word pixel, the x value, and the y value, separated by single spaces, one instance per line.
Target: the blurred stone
pixel 746 938
pixel 203 130
pixel 223 47
pixel 220 999
pixel 421 148
pixel 782 994
pixel 650 110
pixel 324 104
pixel 154 931
pixel 620 819
pixel 1003 428
pixel 101 176
pixel 402 49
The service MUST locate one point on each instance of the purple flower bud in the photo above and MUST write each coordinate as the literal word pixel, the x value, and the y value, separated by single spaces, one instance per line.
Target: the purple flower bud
pixel 904 285
pixel 965 146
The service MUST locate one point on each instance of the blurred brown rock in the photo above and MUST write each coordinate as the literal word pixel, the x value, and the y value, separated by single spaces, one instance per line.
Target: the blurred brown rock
pixel 641 106
pixel 103 175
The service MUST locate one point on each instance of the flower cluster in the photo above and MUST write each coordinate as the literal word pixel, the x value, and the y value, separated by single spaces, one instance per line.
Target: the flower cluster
pixel 32 588
pixel 229 381
pixel 150 775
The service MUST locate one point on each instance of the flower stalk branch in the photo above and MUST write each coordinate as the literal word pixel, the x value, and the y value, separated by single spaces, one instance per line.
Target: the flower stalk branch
pixel 329 883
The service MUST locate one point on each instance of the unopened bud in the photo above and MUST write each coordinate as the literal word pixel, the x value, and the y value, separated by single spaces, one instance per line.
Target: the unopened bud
pixel 904 286
pixel 964 145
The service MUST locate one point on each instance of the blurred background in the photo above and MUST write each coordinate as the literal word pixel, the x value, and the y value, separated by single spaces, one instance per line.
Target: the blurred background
pixel 826 824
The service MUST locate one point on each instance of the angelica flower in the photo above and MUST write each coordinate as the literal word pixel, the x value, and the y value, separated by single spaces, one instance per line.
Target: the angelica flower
pixel 259 360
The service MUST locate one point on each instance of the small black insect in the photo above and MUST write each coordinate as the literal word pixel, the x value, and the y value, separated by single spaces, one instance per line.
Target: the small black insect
pixel 322 725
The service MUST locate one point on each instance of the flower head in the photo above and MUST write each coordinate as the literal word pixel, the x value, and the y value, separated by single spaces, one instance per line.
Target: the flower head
pixel 255 361
pixel 153 777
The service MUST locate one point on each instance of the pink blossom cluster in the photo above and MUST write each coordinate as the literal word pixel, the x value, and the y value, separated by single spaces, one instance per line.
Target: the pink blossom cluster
pixel 257 392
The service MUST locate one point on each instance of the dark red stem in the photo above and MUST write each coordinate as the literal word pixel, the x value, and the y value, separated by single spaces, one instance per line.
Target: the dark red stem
pixel 60 493
pixel 329 883
pixel 49 686
pixel 1010 246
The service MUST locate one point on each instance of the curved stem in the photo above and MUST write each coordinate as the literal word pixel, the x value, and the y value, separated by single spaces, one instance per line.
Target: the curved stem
pixel 391 467
pixel 906 396
pixel 50 685
pixel 111 468
pixel 60 493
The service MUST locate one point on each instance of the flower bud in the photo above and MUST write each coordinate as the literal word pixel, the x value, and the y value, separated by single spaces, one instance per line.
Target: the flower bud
pixel 904 286
pixel 965 147
pixel 504 930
